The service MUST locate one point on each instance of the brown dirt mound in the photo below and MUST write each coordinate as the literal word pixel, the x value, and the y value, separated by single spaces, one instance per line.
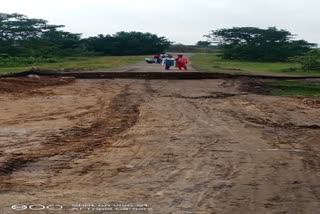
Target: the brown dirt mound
pixel 315 103
pixel 255 86
pixel 18 85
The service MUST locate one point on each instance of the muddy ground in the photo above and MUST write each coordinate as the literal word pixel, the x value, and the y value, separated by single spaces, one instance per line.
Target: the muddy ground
pixel 163 146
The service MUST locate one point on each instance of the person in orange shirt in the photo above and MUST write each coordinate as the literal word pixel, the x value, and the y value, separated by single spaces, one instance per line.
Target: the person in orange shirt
pixel 182 62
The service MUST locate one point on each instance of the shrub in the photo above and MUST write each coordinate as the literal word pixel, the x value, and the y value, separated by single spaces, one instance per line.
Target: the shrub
pixel 309 61
pixel 25 61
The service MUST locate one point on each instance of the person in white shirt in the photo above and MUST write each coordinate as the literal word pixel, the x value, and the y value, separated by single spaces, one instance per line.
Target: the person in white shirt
pixel 168 62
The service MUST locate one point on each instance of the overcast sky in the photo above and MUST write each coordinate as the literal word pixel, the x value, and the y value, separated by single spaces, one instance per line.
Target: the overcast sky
pixel 182 21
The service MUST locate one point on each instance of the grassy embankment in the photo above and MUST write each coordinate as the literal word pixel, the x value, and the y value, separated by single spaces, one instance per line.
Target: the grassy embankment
pixel 214 63
pixel 80 63
pixel 295 88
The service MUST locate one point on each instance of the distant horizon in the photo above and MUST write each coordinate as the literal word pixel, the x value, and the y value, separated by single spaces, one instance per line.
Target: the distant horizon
pixel 83 35
pixel 179 21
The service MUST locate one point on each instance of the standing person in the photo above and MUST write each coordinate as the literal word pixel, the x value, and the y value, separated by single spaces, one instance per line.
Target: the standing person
pixel 157 59
pixel 182 62
pixel 163 56
pixel 168 62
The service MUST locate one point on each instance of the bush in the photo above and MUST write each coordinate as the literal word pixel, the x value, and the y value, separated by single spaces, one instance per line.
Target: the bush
pixel 309 61
pixel 25 61
pixel 290 70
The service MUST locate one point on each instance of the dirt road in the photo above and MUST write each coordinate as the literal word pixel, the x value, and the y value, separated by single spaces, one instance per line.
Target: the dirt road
pixel 161 146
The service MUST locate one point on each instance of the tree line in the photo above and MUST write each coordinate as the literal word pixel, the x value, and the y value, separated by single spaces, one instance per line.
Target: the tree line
pixel 21 36
pixel 263 45
pixel 255 44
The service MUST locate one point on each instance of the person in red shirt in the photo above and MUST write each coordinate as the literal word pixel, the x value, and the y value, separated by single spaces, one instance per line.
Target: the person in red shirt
pixel 157 59
pixel 182 62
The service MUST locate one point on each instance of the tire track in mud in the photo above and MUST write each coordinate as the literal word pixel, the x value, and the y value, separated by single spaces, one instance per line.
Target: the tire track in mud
pixel 70 114
pixel 121 114
pixel 214 95
pixel 288 125
pixel 286 137
pixel 266 118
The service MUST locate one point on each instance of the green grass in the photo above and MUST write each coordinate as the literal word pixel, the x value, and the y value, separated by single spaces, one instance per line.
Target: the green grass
pixel 211 62
pixel 81 63
pixel 295 88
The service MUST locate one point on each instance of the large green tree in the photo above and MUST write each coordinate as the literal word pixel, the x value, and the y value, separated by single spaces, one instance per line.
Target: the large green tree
pixel 18 33
pixel 250 43
pixel 128 43
pixel 203 43
pixel 23 36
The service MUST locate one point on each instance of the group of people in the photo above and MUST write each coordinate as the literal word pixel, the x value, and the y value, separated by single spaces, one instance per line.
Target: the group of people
pixel 168 61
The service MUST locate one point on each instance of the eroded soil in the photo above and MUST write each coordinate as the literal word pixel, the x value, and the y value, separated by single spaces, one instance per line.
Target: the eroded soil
pixel 192 146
